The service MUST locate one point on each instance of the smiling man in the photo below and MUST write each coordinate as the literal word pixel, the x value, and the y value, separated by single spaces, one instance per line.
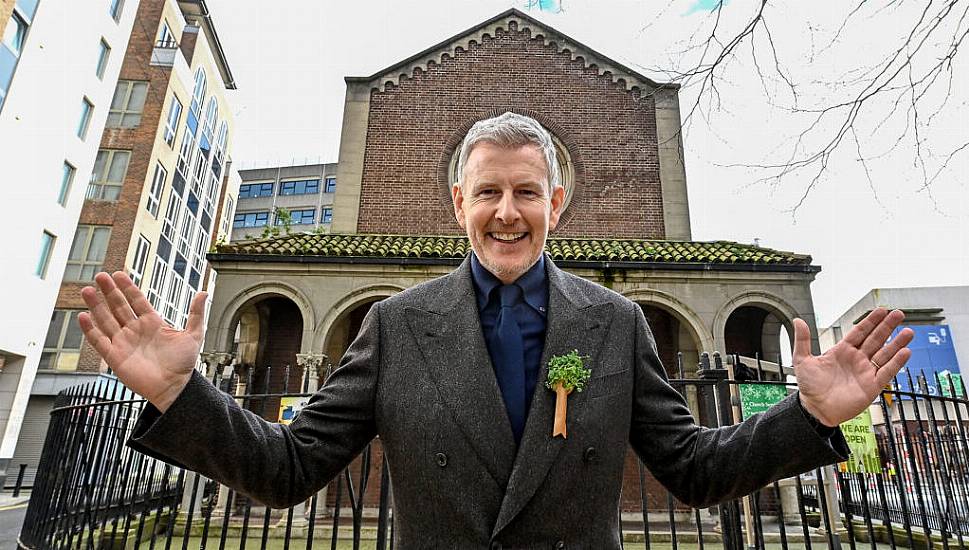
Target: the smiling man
pixel 449 374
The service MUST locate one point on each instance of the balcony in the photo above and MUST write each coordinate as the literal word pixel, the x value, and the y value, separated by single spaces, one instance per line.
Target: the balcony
pixel 167 53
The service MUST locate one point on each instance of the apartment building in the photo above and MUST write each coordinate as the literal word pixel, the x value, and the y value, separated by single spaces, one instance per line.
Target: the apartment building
pixel 304 192
pixel 59 62
pixel 159 182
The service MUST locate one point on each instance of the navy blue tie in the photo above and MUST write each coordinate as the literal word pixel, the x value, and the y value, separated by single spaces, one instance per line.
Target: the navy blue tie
pixel 509 357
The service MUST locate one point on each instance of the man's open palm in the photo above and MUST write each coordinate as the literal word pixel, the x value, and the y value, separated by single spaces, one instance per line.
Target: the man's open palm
pixel 839 384
pixel 147 354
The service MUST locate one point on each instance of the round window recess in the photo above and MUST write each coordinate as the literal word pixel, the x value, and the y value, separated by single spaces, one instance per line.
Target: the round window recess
pixel 566 170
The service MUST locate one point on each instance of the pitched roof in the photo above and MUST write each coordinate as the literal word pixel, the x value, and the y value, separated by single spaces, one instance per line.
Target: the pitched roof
pixel 303 247
pixel 461 42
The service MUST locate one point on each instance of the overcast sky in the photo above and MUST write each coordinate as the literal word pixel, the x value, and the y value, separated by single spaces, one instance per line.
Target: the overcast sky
pixel 290 61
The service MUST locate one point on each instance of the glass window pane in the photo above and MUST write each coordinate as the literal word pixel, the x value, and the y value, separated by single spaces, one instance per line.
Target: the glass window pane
pixel 87 272
pixel 28 7
pixel 136 102
pixel 67 360
pixel 72 272
pixel 72 333
pixel 14 35
pixel 111 192
pixel 47 360
pixel 120 92
pixel 99 165
pixel 77 247
pixel 99 244
pixel 130 120
pixel 54 329
pixel 119 165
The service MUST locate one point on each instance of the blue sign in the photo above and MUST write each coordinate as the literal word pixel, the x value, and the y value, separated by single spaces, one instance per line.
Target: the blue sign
pixel 932 353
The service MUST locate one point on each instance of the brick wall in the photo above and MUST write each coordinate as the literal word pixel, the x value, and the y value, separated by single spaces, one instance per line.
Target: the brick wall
pixel 413 128
pixel 121 214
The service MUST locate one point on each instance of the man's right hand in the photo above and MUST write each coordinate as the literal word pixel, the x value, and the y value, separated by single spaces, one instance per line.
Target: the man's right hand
pixel 146 353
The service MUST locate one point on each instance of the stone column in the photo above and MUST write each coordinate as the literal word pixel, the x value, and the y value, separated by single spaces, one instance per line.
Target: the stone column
pixel 213 365
pixel 312 364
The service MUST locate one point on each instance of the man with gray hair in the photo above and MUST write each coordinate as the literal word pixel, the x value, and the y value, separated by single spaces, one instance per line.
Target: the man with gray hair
pixel 450 375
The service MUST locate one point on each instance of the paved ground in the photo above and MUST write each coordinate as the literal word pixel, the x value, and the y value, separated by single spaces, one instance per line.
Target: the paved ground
pixel 11 518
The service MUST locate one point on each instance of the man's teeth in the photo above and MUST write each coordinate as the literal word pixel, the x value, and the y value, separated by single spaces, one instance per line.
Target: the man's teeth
pixel 507 236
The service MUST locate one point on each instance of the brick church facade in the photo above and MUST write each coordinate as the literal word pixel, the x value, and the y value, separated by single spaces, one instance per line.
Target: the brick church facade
pixel 296 301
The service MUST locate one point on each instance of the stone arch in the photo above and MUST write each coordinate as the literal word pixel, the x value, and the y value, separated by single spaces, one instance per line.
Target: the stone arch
pixel 777 312
pixel 684 313
pixel 344 306
pixel 254 293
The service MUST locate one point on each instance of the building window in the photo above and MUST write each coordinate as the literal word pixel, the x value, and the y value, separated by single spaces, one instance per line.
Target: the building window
pixel 326 215
pixel 166 38
pixel 159 272
pixel 250 219
pixel 157 188
pixel 115 9
pixel 330 185
pixel 15 34
pixel 86 110
pixel 110 168
pixel 104 52
pixel 185 153
pixel 227 215
pixel 127 104
pixel 299 217
pixel 46 250
pixel 211 116
pixel 62 348
pixel 171 218
pixel 87 252
pixel 299 187
pixel 198 93
pixel 12 44
pixel 67 179
pixel 255 190
pixel 140 260
pixel 171 123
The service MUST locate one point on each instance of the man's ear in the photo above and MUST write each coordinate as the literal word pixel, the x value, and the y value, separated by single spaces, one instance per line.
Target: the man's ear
pixel 558 201
pixel 457 197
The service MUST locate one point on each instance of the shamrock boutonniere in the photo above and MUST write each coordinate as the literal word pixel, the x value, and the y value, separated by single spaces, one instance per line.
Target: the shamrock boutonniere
pixel 566 373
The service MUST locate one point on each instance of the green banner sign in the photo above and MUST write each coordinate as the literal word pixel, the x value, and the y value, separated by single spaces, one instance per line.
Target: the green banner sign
pixel 860 436
pixel 944 376
pixel 757 398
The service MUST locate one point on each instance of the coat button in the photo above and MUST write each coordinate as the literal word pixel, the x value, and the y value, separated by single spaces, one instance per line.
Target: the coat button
pixel 441 459
pixel 560 545
pixel 588 456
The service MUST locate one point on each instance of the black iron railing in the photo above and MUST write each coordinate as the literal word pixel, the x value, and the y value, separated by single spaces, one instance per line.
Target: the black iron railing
pixel 92 491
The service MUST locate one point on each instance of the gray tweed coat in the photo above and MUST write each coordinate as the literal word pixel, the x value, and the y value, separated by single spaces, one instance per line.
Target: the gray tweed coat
pixel 419 376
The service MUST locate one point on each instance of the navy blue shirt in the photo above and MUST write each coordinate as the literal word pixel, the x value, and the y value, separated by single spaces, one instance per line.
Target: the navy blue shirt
pixel 531 314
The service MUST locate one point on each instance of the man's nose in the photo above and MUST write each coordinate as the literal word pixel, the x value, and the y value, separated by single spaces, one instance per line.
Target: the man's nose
pixel 508 209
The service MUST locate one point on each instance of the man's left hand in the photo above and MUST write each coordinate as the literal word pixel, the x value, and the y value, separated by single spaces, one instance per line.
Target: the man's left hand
pixel 838 385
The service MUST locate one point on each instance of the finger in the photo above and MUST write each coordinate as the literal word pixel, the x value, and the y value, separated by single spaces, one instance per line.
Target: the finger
pixel 100 342
pixel 888 371
pixel 876 339
pixel 802 341
pixel 885 354
pixel 100 313
pixel 196 316
pixel 856 336
pixel 116 300
pixel 136 299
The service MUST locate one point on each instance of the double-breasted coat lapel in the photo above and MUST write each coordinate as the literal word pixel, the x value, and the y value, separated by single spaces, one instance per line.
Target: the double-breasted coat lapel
pixel 573 323
pixel 449 334
pixel 450 338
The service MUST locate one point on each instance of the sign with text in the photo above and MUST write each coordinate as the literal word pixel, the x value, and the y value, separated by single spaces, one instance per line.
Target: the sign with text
pixel 757 398
pixel 860 436
pixel 932 353
pixel 289 407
